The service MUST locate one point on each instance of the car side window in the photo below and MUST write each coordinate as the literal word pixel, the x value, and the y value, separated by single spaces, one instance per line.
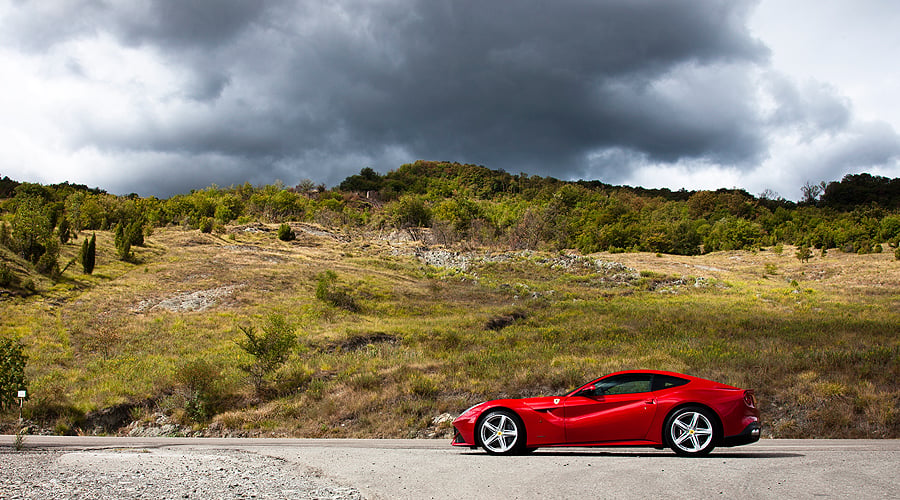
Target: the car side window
pixel 623 384
pixel 661 382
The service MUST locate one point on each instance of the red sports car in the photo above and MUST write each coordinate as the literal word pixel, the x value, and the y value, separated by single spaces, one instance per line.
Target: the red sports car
pixel 631 408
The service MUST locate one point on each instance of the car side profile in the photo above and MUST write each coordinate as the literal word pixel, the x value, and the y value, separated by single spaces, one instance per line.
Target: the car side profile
pixel 648 408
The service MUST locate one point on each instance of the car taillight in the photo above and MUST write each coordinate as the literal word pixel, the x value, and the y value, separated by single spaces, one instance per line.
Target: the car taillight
pixel 750 399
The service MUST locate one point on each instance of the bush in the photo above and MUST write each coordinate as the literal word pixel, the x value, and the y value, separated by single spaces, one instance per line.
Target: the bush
pixel 63 231
pixel 329 292
pixel 200 379
pixel 12 371
pixel 732 233
pixel 7 277
pixel 134 233
pixel 803 253
pixel 206 225
pixel 123 242
pixel 285 233
pixel 270 349
pixel 5 235
pixel 125 251
pixel 48 262
pixel 408 211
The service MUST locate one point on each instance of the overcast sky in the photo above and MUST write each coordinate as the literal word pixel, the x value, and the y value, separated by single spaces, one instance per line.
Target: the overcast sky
pixel 161 96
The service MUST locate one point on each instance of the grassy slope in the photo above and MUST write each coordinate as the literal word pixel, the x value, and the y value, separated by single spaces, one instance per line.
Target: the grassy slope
pixel 818 340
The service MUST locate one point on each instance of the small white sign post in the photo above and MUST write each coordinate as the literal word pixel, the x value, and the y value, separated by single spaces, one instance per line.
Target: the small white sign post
pixel 21 397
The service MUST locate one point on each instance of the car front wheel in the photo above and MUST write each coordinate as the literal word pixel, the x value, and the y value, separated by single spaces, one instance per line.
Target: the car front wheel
pixel 691 432
pixel 501 432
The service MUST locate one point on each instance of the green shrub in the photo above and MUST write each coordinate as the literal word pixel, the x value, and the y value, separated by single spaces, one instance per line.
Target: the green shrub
pixel 285 233
pixel 7 277
pixel 803 253
pixel 206 225
pixel 48 262
pixel 270 349
pixel 63 231
pixel 424 387
pixel 125 237
pixel 328 291
pixel 125 250
pixel 408 211
pixel 5 235
pixel 200 380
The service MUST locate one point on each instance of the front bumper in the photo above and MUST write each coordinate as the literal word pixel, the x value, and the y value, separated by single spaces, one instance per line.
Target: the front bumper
pixel 459 440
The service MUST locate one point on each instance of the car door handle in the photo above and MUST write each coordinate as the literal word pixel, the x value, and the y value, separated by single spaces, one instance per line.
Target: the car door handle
pixel 650 402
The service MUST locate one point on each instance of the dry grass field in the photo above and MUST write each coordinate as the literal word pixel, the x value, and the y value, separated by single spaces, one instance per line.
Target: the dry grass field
pixel 432 331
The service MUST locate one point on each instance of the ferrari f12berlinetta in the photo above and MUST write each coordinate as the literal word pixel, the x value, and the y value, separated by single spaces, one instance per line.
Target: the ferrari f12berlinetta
pixel 650 408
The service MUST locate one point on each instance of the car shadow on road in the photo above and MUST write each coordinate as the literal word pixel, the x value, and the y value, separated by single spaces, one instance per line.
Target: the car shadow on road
pixel 660 454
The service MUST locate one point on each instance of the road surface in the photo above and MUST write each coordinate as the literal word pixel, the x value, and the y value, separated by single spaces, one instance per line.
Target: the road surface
pixel 417 469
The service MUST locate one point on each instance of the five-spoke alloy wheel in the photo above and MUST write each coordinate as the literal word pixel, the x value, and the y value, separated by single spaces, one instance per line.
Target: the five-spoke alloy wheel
pixel 691 431
pixel 501 432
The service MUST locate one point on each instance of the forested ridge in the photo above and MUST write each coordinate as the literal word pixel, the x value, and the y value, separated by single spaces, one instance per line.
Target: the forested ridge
pixel 473 205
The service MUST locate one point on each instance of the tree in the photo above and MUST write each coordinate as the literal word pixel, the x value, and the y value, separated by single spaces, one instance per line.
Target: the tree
pixel 270 349
pixel 408 211
pixel 31 227
pixel 89 254
pixel 63 231
pixel 811 192
pixel 12 371
pixel 804 253
pixel 48 262
pixel 367 180
pixel 122 242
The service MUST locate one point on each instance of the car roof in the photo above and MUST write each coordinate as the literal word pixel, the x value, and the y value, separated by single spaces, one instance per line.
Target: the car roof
pixel 668 373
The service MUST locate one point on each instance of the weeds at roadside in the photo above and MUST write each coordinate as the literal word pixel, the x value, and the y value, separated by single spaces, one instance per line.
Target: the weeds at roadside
pixel 19 441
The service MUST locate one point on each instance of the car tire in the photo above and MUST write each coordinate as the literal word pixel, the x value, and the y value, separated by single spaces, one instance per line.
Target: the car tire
pixel 691 431
pixel 501 432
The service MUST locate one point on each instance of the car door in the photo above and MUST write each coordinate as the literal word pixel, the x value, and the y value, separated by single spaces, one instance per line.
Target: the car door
pixel 618 408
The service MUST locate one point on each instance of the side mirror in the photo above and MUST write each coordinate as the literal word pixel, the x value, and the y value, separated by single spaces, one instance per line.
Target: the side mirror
pixel 587 391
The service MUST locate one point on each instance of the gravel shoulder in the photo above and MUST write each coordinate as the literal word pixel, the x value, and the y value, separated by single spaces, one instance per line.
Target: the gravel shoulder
pixel 159 473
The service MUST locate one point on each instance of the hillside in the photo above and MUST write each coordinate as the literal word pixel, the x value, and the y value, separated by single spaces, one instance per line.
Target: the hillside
pixel 397 327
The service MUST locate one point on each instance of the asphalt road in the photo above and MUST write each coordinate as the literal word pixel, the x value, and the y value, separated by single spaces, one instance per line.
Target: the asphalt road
pixel 417 469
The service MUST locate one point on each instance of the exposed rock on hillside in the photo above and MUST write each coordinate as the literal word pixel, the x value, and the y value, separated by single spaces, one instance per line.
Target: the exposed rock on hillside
pixel 188 302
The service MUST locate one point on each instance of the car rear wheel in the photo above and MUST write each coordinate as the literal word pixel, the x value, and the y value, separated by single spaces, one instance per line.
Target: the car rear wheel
pixel 501 432
pixel 691 432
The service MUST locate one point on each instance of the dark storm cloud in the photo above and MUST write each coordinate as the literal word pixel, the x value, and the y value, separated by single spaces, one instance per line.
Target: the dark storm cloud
pixel 320 89
pixel 193 24
pixel 538 84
